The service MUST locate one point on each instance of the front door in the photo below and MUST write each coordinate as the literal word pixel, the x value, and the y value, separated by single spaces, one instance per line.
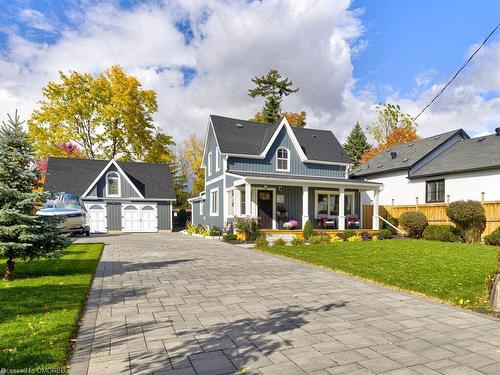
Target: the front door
pixel 265 208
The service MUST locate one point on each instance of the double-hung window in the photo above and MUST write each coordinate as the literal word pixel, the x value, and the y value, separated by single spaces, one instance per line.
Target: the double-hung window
pixel 113 184
pixel 230 203
pixel 434 191
pixel 214 202
pixel 283 160
pixel 209 163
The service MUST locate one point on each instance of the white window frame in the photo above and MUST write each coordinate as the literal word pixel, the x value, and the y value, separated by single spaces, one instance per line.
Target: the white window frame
pixel 119 184
pixel 217 163
pixel 209 163
pixel 212 206
pixel 333 192
pixel 281 159
pixel 201 207
pixel 231 203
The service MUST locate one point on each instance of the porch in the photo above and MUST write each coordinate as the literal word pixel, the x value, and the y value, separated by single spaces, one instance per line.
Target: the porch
pixel 332 205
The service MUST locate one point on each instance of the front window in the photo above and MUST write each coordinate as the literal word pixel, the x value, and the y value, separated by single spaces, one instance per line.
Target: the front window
pixel 214 202
pixel 113 184
pixel 435 191
pixel 327 204
pixel 242 202
pixel 282 159
pixel 230 203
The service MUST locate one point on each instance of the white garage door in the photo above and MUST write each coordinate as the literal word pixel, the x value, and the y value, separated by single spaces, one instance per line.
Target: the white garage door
pixel 139 218
pixel 98 222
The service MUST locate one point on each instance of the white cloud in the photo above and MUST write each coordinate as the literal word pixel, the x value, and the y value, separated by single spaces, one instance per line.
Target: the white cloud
pixel 36 20
pixel 313 43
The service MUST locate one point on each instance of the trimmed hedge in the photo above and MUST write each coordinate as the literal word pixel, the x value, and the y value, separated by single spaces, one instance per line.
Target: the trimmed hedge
pixel 445 233
pixel 493 238
pixel 469 218
pixel 414 222
pixel 308 230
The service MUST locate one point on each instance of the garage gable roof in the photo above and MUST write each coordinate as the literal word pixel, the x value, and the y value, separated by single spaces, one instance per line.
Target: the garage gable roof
pixel 78 176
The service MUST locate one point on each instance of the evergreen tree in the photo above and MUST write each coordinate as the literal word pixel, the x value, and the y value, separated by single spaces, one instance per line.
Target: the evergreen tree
pixel 272 88
pixel 357 144
pixel 23 235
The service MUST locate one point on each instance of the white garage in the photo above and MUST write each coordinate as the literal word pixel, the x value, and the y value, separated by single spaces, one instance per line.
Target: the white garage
pixel 139 217
pixel 97 222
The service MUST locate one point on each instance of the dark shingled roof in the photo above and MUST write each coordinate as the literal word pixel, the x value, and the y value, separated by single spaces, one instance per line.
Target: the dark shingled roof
pixel 236 136
pixel 467 155
pixel 153 180
pixel 407 154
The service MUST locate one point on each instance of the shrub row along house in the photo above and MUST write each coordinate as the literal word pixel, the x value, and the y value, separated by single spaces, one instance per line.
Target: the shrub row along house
pixel 120 196
pixel 277 173
pixel 439 169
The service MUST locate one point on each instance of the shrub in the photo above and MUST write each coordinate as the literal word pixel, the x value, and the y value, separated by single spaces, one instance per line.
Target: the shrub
pixel 248 225
pixel 319 239
pixel 377 238
pixel 214 231
pixel 297 241
pixel 261 241
pixel 355 238
pixel 490 279
pixel 230 237
pixel 445 233
pixel 413 222
pixel 365 236
pixel 308 230
pixel 493 238
pixel 391 220
pixel 386 234
pixel 335 238
pixel 279 242
pixel 469 218
pixel 345 235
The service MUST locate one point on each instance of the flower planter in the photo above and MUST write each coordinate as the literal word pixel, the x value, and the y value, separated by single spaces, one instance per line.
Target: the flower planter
pixel 243 236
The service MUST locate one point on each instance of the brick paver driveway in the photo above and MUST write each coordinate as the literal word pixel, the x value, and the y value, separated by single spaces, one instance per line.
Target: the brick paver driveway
pixel 175 304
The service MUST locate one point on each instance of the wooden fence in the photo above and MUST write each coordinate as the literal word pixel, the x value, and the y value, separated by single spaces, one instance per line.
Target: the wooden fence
pixel 435 213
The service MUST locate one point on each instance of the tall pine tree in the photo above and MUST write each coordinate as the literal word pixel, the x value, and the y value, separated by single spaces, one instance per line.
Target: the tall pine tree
pixel 23 235
pixel 357 144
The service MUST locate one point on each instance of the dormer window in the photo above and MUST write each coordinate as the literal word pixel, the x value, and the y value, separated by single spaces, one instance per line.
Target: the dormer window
pixel 113 184
pixel 283 160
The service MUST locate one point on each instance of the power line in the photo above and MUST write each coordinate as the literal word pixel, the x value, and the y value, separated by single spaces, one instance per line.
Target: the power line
pixel 458 72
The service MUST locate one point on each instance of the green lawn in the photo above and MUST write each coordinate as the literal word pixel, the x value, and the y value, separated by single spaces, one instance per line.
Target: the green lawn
pixel 40 308
pixel 451 272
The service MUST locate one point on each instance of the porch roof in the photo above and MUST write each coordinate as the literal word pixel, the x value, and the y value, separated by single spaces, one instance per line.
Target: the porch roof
pixel 290 179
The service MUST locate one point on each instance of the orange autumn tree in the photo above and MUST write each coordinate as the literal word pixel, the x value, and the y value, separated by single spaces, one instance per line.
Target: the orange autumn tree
pixel 398 136
pixel 391 127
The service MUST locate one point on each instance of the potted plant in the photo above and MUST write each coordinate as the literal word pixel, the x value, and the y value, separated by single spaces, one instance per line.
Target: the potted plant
pixel 292 224
pixel 246 227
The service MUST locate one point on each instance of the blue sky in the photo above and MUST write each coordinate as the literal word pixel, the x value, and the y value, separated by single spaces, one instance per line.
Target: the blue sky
pixel 200 55
pixel 407 38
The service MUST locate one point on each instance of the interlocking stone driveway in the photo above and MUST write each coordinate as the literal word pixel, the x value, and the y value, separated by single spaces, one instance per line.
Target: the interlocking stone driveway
pixel 175 304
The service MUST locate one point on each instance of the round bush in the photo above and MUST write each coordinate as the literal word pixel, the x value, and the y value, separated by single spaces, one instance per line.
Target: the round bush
pixel 414 223
pixel 386 234
pixel 261 241
pixel 445 233
pixel 297 241
pixel 279 242
pixel 493 238
pixel 469 218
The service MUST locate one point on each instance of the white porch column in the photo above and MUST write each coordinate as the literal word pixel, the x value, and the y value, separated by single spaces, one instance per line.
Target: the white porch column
pixel 305 205
pixel 237 202
pixel 375 224
pixel 341 209
pixel 248 199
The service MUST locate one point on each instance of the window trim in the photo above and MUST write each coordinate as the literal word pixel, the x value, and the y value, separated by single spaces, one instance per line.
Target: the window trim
pixel 217 163
pixel 281 159
pixel 216 213
pixel 119 194
pixel 334 192
pixel 427 191
pixel 231 203
pixel 209 163
pixel 201 207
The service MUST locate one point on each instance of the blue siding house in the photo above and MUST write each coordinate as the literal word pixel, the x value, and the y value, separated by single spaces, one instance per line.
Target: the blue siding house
pixel 277 173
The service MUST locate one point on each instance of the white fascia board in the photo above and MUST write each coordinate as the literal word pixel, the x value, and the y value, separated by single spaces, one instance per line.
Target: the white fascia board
pixel 209 126
pixel 285 181
pixel 112 162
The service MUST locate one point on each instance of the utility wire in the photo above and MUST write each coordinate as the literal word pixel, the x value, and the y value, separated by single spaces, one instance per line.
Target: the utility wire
pixel 458 72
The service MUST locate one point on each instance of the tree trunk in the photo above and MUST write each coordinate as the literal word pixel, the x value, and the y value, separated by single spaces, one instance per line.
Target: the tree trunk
pixel 9 271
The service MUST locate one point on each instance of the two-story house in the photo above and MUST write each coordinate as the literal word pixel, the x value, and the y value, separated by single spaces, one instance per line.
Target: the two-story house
pixel 277 173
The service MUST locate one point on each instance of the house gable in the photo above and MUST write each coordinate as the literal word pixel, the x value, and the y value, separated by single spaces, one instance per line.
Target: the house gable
pixel 212 151
pixel 98 189
pixel 297 166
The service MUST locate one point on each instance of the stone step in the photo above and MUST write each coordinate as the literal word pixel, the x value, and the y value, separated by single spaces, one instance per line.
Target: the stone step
pixel 286 237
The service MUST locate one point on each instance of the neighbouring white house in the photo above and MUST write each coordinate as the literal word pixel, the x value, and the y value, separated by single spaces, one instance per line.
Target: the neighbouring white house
pixel 439 169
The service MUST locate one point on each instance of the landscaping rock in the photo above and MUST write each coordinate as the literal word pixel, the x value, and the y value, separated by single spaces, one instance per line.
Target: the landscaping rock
pixel 495 294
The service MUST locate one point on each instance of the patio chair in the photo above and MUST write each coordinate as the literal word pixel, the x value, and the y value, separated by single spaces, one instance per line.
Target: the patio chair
pixel 352 222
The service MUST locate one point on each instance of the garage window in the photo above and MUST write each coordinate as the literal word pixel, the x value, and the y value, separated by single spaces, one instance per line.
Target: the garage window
pixel 113 184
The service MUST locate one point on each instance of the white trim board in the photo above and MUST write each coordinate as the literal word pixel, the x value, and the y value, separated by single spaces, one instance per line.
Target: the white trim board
pixel 112 162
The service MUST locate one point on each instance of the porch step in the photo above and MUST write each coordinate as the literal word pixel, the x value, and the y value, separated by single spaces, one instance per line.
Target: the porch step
pixel 287 237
